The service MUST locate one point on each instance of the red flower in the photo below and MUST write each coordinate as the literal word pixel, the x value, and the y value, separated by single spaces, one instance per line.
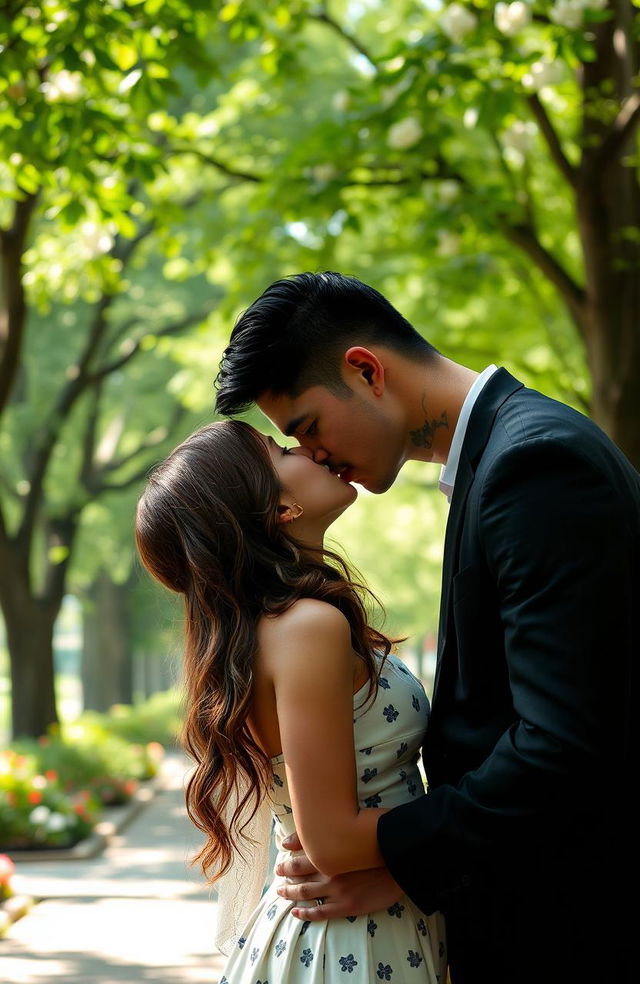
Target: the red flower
pixel 35 796
pixel 7 868
pixel 51 775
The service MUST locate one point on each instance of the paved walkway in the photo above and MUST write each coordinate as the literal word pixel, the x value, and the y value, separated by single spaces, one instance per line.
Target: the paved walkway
pixel 137 913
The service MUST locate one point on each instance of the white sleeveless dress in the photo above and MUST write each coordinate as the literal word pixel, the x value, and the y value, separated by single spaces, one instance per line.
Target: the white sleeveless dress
pixel 399 944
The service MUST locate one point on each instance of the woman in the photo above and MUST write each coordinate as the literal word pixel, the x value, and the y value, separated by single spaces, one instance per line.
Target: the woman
pixel 296 709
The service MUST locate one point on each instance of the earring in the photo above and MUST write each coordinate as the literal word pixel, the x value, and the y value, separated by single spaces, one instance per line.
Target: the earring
pixel 294 505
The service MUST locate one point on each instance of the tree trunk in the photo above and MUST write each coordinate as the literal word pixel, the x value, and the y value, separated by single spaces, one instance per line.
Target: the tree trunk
pixel 29 624
pixel 608 204
pixel 107 671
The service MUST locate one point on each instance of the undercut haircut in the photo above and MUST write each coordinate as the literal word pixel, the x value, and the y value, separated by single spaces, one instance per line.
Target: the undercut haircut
pixel 294 335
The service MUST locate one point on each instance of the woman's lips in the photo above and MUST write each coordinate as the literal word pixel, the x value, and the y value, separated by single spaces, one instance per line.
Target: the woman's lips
pixel 346 475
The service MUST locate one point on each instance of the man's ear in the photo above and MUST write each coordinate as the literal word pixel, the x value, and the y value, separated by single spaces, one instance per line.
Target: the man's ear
pixel 368 366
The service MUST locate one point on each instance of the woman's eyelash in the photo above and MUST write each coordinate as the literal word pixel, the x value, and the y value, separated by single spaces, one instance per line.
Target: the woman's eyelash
pixel 311 429
pixel 286 450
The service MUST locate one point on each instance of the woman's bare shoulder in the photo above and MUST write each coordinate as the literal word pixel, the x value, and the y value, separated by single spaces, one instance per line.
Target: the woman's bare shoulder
pixel 304 620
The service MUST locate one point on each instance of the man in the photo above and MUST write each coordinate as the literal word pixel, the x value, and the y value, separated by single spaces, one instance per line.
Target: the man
pixel 524 836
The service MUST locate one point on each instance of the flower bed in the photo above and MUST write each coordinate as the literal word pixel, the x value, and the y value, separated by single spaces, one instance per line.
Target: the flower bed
pixel 36 810
pixel 54 788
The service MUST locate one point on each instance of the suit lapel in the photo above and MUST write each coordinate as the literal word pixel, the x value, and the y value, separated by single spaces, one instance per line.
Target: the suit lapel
pixel 498 388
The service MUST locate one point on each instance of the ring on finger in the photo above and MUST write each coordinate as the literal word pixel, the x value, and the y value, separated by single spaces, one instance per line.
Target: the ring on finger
pixel 319 901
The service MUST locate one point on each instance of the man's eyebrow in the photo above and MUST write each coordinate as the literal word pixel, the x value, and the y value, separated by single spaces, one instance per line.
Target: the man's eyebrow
pixel 294 424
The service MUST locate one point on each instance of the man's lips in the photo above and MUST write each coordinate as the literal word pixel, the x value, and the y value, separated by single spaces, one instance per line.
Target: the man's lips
pixel 343 472
pixel 346 475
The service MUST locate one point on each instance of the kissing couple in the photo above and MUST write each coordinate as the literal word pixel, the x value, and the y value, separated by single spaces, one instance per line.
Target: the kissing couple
pixel 301 718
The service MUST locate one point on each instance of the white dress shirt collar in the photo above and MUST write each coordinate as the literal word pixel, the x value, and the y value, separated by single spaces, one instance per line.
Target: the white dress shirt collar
pixel 450 470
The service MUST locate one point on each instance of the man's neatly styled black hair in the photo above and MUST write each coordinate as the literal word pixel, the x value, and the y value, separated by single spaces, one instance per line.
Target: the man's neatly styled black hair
pixel 293 335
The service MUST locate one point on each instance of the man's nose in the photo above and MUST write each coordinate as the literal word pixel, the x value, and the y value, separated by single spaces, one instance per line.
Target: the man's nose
pixel 301 450
pixel 320 456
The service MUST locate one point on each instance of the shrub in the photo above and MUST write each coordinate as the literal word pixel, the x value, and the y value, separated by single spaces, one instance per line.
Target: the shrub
pixel 35 810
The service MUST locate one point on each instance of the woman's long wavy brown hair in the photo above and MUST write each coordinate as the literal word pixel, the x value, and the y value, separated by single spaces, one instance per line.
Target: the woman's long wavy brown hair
pixel 207 527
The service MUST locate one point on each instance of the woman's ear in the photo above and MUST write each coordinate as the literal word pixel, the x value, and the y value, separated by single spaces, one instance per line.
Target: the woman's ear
pixel 368 367
pixel 288 512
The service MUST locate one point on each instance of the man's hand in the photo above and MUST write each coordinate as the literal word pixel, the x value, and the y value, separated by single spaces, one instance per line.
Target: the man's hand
pixel 352 894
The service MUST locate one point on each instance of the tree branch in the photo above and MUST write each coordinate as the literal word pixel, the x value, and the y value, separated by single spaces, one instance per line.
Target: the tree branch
pixel 322 16
pixel 525 238
pixel 621 130
pixel 13 312
pixel 94 481
pixel 215 162
pixel 552 139
pixel 172 329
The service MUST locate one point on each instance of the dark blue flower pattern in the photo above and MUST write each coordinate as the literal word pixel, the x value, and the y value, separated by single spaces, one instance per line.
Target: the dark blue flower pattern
pixel 384 972
pixel 403 748
pixel 366 751
pixel 254 954
pixel 242 941
pixel 368 775
pixel 415 702
pixel 348 963
pixel 305 927
pixel 373 801
pixel 278 781
pixel 411 786
pixel 371 928
pixel 384 683
pixel 414 959
pixel 396 910
pixel 421 926
pixel 390 713
pixel 307 957
pixel 441 949
pixel 280 947
pixel 271 911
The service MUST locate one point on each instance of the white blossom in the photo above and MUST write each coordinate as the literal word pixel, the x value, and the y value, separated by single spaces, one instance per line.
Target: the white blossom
pixel 448 243
pixel 95 239
pixel 511 17
pixel 39 815
pixel 567 13
pixel 543 73
pixel 56 822
pixel 405 133
pixel 324 172
pixel 63 86
pixel 470 117
pixel 457 22
pixel 520 136
pixel 448 191
pixel 340 101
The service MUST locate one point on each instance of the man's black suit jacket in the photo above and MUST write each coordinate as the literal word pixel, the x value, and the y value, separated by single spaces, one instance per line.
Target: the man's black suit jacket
pixel 523 840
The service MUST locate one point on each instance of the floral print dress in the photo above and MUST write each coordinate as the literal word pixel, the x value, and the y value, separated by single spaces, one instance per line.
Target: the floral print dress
pixel 399 944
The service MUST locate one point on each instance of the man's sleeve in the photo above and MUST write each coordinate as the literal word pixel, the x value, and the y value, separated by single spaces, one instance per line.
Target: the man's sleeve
pixel 557 540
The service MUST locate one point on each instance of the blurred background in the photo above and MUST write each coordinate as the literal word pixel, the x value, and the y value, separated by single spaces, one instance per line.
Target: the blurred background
pixel 161 163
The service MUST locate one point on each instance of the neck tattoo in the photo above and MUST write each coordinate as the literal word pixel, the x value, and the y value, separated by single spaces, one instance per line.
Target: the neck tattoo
pixel 423 436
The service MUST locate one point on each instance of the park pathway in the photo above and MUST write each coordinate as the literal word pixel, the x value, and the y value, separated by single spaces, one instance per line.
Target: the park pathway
pixel 136 913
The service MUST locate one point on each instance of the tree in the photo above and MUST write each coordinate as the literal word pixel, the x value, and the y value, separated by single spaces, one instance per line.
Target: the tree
pixel 79 81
